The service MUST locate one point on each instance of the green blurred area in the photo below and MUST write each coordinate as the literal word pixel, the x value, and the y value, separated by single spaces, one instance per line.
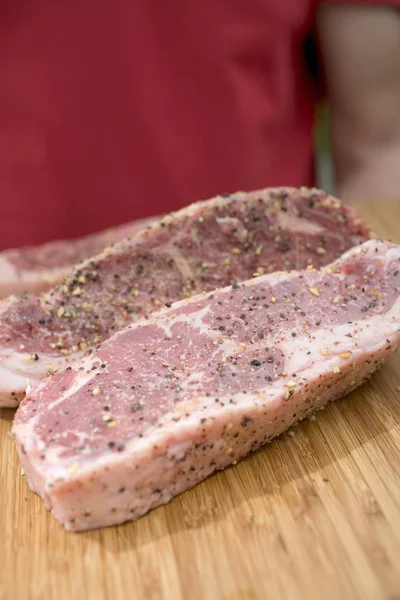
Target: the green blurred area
pixel 322 129
pixel 323 158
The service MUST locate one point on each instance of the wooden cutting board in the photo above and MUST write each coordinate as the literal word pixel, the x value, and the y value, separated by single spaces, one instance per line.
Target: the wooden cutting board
pixel 314 515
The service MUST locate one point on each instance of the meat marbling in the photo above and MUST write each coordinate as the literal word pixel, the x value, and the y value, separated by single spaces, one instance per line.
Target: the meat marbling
pixel 166 401
pixel 38 268
pixel 207 245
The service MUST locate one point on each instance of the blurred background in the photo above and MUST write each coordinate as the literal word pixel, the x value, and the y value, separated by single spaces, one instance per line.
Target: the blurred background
pixel 323 156
pixel 111 112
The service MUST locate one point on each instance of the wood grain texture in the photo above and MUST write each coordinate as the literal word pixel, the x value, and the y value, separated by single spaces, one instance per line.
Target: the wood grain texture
pixel 313 515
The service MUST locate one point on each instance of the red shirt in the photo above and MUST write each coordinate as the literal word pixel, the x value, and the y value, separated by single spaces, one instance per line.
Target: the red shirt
pixel 115 110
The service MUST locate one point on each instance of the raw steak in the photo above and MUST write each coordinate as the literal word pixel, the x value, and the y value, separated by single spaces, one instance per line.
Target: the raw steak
pixel 39 268
pixel 207 245
pixel 165 402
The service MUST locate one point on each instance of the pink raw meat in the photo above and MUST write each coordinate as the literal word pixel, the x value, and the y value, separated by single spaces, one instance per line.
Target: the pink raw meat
pixel 39 268
pixel 166 401
pixel 206 245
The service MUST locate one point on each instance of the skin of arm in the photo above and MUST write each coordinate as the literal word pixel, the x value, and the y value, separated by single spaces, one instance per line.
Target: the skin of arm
pixel 360 47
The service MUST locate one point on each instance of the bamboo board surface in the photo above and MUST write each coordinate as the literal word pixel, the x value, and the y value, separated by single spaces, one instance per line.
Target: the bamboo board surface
pixel 311 516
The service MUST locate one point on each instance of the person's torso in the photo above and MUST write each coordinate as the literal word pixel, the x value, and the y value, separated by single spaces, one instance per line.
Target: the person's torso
pixel 115 110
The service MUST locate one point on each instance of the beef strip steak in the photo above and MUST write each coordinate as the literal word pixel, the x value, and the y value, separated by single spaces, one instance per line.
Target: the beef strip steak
pixel 207 245
pixel 38 268
pixel 166 401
